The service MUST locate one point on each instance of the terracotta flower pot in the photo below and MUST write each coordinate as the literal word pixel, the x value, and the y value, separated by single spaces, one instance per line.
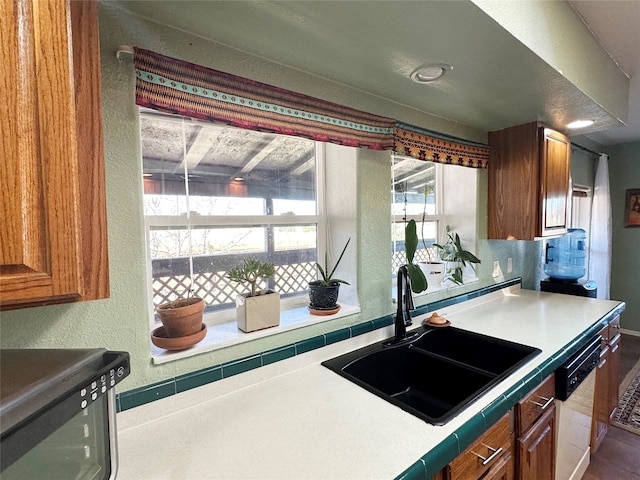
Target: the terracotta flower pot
pixel 182 317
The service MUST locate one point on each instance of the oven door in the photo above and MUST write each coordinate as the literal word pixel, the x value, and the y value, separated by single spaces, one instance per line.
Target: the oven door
pixel 80 447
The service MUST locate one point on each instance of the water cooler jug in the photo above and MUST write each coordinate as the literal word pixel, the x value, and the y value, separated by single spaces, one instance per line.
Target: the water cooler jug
pixel 564 263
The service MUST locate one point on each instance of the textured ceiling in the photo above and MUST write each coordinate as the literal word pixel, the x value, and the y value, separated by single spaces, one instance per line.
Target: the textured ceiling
pixel 374 46
pixel 616 24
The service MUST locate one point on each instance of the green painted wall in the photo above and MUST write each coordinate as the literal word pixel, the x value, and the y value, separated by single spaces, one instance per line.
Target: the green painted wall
pixel 624 173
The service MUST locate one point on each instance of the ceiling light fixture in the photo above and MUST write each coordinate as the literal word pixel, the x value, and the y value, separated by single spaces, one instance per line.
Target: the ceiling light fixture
pixel 430 72
pixel 580 124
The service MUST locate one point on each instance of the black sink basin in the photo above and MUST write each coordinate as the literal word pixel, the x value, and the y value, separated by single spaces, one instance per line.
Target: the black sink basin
pixel 436 375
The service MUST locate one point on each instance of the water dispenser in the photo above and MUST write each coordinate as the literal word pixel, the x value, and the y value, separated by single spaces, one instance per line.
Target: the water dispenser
pixel 565 263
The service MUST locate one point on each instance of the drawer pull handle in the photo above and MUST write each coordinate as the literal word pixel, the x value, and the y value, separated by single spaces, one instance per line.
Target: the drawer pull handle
pixel 493 455
pixel 545 404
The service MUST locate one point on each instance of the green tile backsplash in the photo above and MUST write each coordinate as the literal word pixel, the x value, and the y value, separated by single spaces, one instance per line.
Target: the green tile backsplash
pixel 149 393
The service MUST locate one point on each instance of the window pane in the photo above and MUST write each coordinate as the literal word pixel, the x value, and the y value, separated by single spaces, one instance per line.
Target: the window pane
pixel 164 204
pixel 414 186
pixel 215 170
pixel 225 170
pixel 295 238
pixel 426 252
pixel 294 207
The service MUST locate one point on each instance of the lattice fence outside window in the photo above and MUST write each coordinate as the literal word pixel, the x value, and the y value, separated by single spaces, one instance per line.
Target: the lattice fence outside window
pixel 172 279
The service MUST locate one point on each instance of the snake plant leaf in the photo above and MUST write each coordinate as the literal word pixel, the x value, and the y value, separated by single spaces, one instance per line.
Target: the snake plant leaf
pixel 418 280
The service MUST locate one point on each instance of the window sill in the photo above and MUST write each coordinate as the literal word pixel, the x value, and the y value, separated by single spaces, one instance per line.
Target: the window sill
pixel 226 334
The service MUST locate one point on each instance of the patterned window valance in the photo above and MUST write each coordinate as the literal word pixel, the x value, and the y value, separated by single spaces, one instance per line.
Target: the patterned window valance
pixel 415 142
pixel 183 88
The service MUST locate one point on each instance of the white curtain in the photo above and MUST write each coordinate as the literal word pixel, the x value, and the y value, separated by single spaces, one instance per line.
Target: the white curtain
pixel 600 236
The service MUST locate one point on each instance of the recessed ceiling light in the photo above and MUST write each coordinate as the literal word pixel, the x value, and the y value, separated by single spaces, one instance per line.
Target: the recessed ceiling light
pixel 580 124
pixel 429 72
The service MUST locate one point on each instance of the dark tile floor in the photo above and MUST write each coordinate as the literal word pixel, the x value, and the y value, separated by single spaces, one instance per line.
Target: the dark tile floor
pixel 618 458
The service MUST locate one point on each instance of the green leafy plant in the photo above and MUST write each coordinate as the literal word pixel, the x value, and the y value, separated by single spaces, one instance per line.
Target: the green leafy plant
pixel 252 272
pixel 452 251
pixel 416 275
pixel 326 274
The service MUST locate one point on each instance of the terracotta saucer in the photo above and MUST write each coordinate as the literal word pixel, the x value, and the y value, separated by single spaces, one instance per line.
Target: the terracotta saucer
pixel 159 339
pixel 322 311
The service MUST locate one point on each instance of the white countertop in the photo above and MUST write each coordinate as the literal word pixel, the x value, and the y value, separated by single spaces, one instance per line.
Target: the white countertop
pixel 297 419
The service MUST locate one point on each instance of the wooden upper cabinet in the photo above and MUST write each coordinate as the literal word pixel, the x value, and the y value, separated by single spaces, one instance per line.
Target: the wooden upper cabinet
pixel 528 182
pixel 53 238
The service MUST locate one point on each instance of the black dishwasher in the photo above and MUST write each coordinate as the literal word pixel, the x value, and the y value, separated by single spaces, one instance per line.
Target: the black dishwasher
pixel 570 374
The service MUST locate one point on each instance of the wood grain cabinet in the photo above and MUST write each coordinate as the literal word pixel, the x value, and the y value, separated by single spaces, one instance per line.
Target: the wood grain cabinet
pixel 489 457
pixel 606 390
pixel 528 182
pixel 535 433
pixel 53 238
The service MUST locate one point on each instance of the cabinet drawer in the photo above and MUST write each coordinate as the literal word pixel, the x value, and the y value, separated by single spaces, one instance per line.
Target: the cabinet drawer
pixel 486 451
pixel 537 402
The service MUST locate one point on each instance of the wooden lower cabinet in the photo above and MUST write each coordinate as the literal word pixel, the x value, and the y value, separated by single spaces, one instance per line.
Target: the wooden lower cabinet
pixel 519 446
pixel 535 433
pixel 606 398
pixel 489 457
pixel 535 449
pixel 502 470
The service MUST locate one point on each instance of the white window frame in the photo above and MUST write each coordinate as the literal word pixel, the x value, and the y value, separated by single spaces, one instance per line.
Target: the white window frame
pixel 437 217
pixel 222 328
pixel 446 209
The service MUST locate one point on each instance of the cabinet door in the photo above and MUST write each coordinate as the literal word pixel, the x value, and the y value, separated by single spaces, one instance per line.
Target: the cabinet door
pixel 600 423
pixel 502 470
pixel 536 449
pixel 554 182
pixel 51 117
pixel 614 366
pixel 484 454
pixel 528 182
pixel 513 183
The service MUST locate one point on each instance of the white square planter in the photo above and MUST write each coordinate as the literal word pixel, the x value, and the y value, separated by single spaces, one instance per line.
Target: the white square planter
pixel 256 313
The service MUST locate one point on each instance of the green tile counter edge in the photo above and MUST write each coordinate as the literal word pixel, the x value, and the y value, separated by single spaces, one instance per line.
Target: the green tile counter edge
pixel 171 386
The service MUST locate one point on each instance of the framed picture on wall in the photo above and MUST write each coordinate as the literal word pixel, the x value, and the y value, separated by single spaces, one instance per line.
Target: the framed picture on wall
pixel 632 208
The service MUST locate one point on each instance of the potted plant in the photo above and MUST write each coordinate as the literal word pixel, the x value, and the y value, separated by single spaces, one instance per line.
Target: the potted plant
pixel 181 317
pixel 182 325
pixel 257 308
pixel 323 293
pixel 455 257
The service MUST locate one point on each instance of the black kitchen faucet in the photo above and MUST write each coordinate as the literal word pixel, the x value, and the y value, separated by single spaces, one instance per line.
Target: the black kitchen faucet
pixel 405 305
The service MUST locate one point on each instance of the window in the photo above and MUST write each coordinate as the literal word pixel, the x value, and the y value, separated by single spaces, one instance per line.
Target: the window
pixel 434 195
pixel 214 195
pixel 580 207
pixel 415 194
